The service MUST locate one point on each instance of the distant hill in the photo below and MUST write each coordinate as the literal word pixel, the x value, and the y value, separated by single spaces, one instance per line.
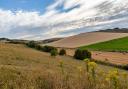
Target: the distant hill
pixel 19 41
pixel 118 30
pixel 49 40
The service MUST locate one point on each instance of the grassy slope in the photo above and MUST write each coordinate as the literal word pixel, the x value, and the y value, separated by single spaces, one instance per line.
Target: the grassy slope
pixel 20 56
pixel 26 68
pixel 120 44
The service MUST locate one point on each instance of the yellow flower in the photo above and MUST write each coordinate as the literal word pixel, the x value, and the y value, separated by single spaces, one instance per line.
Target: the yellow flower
pixel 92 64
pixel 125 75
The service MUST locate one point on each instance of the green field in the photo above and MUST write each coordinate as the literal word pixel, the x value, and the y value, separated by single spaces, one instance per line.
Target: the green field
pixel 120 44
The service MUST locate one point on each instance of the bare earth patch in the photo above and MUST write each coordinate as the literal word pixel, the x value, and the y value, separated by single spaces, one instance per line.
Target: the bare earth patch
pixel 112 57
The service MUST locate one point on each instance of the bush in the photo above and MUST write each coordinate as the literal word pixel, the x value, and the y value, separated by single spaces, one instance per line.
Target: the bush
pixel 48 48
pixel 31 44
pixel 54 52
pixel 62 52
pixel 82 54
pixel 38 47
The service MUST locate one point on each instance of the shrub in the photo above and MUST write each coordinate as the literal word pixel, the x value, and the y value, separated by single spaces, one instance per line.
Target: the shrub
pixel 38 47
pixel 31 44
pixel 62 52
pixel 82 54
pixel 54 52
pixel 48 48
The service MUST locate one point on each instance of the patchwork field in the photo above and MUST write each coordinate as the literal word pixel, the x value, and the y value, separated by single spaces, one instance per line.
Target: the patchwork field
pixel 85 39
pixel 26 68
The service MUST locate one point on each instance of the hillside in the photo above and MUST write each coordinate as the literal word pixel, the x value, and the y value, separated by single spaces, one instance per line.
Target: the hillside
pixel 48 40
pixel 116 30
pixel 120 44
pixel 26 68
pixel 87 39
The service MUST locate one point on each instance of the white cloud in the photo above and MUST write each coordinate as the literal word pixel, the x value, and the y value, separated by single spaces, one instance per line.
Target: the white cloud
pixel 54 22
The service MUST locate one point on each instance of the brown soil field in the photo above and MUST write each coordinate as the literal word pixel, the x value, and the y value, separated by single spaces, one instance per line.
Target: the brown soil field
pixel 111 57
pixel 87 39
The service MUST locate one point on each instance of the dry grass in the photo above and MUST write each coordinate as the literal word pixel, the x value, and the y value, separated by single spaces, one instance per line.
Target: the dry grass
pixel 26 68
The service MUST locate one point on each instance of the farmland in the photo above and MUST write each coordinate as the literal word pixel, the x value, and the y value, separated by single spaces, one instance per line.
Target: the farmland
pixel 120 44
pixel 85 39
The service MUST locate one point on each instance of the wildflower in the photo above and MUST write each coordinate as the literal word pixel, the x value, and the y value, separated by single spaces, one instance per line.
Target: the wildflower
pixel 114 78
pixel 125 75
pixel 87 61
pixel 92 67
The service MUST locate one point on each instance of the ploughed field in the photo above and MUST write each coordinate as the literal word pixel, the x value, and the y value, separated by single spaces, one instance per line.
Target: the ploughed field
pixel 85 39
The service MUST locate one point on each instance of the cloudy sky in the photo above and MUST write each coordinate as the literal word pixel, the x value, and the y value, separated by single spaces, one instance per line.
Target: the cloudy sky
pixel 41 19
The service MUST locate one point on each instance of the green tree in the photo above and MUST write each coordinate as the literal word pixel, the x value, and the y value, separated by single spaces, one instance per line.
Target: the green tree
pixel 54 52
pixel 82 54
pixel 31 44
pixel 62 52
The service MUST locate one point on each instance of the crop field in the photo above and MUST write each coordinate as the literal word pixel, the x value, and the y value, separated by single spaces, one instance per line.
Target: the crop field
pixel 120 44
pixel 25 68
pixel 85 39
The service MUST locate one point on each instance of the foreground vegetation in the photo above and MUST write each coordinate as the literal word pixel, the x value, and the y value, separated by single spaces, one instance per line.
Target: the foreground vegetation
pixel 120 45
pixel 25 68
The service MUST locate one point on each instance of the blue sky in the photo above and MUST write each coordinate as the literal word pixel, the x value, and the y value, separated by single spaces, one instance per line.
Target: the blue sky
pixel 41 19
pixel 27 5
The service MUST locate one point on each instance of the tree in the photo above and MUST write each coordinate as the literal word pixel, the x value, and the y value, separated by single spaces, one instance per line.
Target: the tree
pixel 38 47
pixel 82 54
pixel 31 44
pixel 48 48
pixel 54 52
pixel 62 52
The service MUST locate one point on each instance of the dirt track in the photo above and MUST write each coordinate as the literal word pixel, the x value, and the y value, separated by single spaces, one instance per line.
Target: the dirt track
pixel 112 57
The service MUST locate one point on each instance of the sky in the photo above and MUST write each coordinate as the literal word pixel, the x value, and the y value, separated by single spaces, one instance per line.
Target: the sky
pixel 42 19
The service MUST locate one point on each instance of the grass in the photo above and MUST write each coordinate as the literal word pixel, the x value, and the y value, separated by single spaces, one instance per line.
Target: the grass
pixel 120 44
pixel 25 68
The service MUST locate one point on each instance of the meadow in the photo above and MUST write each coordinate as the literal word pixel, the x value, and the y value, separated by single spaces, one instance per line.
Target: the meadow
pixel 25 68
pixel 119 45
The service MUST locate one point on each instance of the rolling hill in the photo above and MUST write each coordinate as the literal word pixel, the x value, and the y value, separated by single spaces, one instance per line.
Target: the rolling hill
pixel 87 39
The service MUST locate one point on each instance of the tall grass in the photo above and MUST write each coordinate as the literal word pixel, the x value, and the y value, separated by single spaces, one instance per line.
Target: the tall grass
pixel 26 68
pixel 94 78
